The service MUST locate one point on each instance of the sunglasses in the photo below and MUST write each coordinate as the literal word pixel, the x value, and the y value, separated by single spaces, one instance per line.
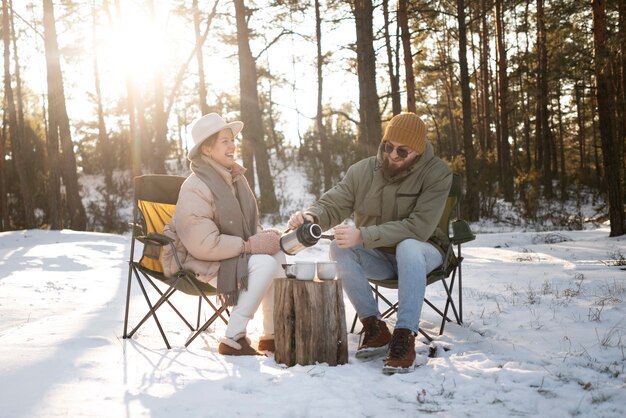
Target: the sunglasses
pixel 401 152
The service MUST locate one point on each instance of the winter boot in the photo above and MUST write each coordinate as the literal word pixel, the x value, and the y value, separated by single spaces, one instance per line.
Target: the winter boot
pixel 375 337
pixel 267 345
pixel 241 347
pixel 401 357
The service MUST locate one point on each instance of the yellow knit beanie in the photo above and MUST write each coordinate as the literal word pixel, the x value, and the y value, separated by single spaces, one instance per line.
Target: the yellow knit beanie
pixel 408 129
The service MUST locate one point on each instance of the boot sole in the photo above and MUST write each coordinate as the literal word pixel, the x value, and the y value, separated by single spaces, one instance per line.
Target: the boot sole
pixel 389 370
pixel 229 351
pixel 366 353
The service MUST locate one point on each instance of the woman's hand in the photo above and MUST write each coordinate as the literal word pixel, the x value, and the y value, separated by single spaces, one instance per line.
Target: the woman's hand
pixel 347 236
pixel 264 242
pixel 298 218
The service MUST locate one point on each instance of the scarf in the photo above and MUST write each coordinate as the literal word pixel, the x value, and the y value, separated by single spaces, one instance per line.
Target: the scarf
pixel 236 215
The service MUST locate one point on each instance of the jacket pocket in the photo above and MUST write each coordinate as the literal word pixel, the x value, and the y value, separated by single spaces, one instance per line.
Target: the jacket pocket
pixel 406 204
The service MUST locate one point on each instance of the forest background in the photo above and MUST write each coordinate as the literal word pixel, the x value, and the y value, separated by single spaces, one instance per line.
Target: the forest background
pixel 527 99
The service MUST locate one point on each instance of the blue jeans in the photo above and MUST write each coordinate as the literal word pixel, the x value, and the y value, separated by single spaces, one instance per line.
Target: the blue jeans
pixel 411 263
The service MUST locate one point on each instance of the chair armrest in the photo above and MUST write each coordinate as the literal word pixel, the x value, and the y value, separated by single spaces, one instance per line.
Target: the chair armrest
pixel 136 229
pixel 154 238
pixel 159 239
pixel 461 232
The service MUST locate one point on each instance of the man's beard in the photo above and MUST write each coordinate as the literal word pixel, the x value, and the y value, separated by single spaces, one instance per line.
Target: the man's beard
pixel 396 169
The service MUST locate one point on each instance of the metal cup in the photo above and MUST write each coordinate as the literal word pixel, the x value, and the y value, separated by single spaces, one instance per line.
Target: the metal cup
pixel 326 270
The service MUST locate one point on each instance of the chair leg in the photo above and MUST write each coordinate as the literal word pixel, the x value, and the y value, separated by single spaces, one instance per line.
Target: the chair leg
pixel 206 299
pixel 200 330
pixel 167 300
pixel 130 277
pixel 390 311
pixel 450 302
pixel 152 312
pixel 425 334
pixel 199 311
pixel 392 306
pixel 356 317
pixel 437 310
pixel 460 290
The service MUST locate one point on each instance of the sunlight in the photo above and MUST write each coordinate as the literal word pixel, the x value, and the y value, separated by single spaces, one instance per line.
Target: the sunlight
pixel 135 46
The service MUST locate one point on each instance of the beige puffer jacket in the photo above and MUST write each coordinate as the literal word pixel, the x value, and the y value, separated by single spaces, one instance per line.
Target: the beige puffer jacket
pixel 199 244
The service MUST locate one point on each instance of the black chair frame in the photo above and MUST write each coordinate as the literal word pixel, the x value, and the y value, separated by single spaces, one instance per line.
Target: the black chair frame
pixel 162 190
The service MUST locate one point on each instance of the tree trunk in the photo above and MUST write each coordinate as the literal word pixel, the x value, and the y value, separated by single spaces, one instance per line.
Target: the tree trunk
pixel 182 71
pixel 394 79
pixel 606 114
pixel 5 219
pixel 59 122
pixel 475 79
pixel 621 113
pixel 472 204
pixel 580 119
pixel 319 118
pixel 369 111
pixel 30 151
pixel 202 93
pixel 251 112
pixel 525 95
pixel 310 322
pixel 561 143
pixel 105 152
pixel 451 111
pixel 544 141
pixel 18 142
pixel 486 141
pixel 135 133
pixel 159 147
pixel 247 143
pixel 276 139
pixel 596 147
pixel 403 22
pixel 503 105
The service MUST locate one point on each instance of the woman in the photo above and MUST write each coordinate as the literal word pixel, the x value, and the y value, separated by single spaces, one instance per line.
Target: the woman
pixel 214 227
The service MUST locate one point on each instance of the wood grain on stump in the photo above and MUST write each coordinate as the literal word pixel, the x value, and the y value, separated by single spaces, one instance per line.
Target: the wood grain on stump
pixel 309 322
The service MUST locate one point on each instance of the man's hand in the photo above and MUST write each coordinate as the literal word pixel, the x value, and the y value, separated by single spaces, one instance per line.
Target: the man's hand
pixel 348 236
pixel 298 218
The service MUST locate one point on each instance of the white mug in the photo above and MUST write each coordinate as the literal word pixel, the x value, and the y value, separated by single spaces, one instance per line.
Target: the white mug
pixel 326 270
pixel 302 270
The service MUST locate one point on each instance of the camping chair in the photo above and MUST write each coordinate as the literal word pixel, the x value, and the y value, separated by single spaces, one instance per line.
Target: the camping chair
pixel 154 203
pixel 447 273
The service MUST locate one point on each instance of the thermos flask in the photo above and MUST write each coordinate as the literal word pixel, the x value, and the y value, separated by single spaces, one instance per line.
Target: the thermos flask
pixel 306 235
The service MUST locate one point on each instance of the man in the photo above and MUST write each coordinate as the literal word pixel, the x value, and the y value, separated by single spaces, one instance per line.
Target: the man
pixel 397 198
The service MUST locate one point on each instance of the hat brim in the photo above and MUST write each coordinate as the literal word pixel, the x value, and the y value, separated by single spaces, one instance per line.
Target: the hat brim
pixel 235 127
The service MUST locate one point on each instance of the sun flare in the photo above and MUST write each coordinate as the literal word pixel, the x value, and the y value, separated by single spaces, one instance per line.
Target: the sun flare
pixel 136 46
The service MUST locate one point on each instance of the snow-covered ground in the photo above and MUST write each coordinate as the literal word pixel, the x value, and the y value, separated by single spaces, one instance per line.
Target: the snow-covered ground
pixel 544 335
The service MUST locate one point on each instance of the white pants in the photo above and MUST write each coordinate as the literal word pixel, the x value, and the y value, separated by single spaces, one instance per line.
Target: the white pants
pixel 262 270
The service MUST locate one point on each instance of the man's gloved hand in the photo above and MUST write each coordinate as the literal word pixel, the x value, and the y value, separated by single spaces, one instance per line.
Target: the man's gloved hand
pixel 264 242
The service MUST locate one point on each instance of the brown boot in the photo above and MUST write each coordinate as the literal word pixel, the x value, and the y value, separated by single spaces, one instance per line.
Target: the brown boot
pixel 401 356
pixel 267 345
pixel 241 347
pixel 375 338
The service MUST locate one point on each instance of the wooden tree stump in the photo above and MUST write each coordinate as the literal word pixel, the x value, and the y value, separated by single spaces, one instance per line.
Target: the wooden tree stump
pixel 309 322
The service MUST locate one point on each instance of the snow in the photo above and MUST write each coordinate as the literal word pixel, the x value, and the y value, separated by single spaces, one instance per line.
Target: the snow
pixel 544 335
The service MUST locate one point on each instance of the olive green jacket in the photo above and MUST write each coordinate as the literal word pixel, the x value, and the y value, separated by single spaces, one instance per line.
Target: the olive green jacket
pixel 386 209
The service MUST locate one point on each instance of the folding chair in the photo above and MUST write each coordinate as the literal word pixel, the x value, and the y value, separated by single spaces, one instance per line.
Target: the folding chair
pixel 154 203
pixel 449 270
